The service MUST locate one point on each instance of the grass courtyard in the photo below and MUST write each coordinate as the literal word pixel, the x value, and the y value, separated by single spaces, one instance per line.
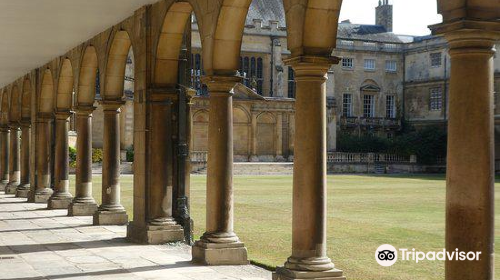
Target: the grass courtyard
pixel 364 212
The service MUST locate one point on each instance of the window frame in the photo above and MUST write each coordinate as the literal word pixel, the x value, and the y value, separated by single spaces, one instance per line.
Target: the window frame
pixel 346 65
pixel 433 58
pixel 435 99
pixel 366 63
pixel 371 107
pixel 347 107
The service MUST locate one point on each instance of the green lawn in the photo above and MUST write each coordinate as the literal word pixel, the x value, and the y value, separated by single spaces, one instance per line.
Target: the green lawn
pixel 363 213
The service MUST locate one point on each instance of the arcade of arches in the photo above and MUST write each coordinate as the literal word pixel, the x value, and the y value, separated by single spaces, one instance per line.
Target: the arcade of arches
pixel 42 99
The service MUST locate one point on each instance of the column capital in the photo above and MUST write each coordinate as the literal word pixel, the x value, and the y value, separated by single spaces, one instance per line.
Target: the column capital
pixel 221 85
pixel 163 94
pixel 14 125
pixel 25 123
pixel 45 116
pixel 63 114
pixel 469 36
pixel 112 105
pixel 4 128
pixel 311 66
pixel 84 109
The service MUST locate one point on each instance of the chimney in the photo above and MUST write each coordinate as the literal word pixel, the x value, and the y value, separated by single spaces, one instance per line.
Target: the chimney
pixel 383 15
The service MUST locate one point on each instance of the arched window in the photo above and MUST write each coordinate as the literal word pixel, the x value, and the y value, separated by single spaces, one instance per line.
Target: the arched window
pixel 97 86
pixel 196 74
pixel 291 82
pixel 260 76
pixel 252 71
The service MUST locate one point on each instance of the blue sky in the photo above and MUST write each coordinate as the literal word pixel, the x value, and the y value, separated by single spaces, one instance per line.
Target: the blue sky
pixel 411 17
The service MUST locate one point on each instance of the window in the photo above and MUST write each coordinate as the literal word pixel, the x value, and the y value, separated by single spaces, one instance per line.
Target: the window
pixel 390 46
pixel 368 106
pixel 347 63
pixel 346 43
pixel 251 69
pixel 97 85
pixel 436 100
pixel 347 105
pixel 436 59
pixel 369 45
pixel 390 107
pixel 291 82
pixel 390 66
pixel 196 73
pixel 369 64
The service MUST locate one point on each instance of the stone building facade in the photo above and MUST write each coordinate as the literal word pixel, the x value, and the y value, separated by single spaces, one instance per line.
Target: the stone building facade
pixel 382 79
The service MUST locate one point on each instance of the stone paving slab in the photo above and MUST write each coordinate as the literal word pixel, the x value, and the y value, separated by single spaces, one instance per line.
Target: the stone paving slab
pixel 41 244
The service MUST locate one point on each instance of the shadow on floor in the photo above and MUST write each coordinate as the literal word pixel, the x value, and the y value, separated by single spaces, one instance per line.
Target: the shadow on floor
pixel 64 246
pixel 112 271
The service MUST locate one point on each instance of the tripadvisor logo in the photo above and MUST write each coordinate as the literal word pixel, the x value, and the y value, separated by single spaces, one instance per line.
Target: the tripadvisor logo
pixel 387 255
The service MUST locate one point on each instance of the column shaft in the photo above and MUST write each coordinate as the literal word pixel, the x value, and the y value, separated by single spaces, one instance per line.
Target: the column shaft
pixel 111 211
pixel 470 162
pixel 309 174
pixel 279 137
pixel 4 153
pixel 43 190
pixel 219 244
pixel 24 187
pixel 83 204
pixel 254 156
pixel 61 198
pixel 14 167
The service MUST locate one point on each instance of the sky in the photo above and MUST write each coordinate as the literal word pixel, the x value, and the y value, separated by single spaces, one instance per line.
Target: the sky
pixel 411 17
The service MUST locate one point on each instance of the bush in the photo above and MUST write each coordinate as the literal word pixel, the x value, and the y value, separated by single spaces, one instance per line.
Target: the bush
pixel 130 154
pixel 428 144
pixel 72 157
pixel 97 155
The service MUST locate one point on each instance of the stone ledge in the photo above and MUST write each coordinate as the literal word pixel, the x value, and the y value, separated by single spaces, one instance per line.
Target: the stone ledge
pixel 220 254
pixel 288 274
pixel 155 235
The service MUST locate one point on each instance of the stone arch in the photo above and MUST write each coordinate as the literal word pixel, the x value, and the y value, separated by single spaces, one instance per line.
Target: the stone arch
pixel 64 96
pixel 200 130
pixel 46 100
pixel 266 135
pixel 312 26
pixel 169 43
pixel 26 100
pixel 15 106
pixel 87 79
pixel 228 36
pixel 115 66
pixel 4 119
pixel 241 131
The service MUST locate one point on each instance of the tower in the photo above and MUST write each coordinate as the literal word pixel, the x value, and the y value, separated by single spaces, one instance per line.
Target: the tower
pixel 383 15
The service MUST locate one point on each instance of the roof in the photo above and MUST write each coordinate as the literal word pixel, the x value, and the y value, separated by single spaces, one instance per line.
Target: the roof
pixel 376 33
pixel 266 10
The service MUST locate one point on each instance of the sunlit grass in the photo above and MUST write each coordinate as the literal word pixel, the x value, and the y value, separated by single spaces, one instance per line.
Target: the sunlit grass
pixel 363 213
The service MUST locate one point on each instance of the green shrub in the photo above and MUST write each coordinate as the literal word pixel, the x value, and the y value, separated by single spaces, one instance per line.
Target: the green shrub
pixel 97 155
pixel 72 157
pixel 130 154
pixel 428 144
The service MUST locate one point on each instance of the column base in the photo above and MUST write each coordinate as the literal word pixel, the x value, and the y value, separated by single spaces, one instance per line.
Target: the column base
pixel 110 218
pixel 43 196
pixel 3 185
pixel 288 274
pixel 82 209
pixel 59 202
pixel 23 190
pixel 155 234
pixel 219 253
pixel 11 188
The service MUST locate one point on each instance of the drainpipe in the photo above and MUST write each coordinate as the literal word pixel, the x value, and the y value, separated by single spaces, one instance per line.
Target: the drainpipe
pixel 271 91
pixel 183 170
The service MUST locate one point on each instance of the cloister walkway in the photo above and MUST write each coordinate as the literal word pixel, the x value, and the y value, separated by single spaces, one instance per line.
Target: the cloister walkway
pixel 39 244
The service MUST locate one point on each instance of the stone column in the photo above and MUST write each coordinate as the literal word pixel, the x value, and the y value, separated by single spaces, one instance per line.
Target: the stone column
pixel 4 156
pixel 254 157
pixel 111 212
pixel 291 136
pixel 14 167
pixel 61 198
pixel 279 137
pixel 24 187
pixel 309 259
pixel 219 244
pixel 43 190
pixel 470 163
pixel 83 204
pixel 161 226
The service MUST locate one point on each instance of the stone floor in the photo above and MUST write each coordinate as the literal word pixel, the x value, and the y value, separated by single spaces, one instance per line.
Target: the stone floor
pixel 36 244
